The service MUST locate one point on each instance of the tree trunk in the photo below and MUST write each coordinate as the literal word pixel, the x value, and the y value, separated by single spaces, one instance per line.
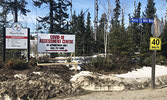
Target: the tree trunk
pixel 15 10
pixel 107 30
pixel 51 16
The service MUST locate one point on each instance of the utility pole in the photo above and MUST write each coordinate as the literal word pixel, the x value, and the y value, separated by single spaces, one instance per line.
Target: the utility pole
pixel 96 19
pixel 15 10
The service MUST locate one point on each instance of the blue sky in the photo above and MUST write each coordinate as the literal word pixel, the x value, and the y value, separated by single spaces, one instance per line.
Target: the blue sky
pixel 78 5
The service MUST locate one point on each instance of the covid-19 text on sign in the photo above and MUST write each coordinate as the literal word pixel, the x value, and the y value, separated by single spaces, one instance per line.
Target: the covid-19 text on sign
pixel 52 43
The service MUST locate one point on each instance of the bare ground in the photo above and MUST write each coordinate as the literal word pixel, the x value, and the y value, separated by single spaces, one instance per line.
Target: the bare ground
pixel 160 93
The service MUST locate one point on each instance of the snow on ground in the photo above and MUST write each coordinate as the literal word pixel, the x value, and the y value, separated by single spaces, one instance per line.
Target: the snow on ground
pixel 82 73
pixel 145 72
pixel 73 67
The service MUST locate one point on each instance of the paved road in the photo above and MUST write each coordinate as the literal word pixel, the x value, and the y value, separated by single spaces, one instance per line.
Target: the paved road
pixel 146 94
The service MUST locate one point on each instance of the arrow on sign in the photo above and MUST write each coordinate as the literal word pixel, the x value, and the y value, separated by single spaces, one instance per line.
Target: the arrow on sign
pixel 57 50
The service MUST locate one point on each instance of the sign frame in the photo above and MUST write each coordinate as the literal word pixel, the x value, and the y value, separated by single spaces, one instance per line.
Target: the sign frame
pixel 28 42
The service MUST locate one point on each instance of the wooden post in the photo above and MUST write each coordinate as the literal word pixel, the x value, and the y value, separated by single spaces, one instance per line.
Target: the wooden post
pixel 75 67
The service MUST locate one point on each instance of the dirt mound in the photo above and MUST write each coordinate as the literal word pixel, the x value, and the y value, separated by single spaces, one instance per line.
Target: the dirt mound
pixel 36 83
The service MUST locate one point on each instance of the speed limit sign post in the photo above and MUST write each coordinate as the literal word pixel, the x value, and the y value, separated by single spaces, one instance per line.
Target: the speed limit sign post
pixel 155 44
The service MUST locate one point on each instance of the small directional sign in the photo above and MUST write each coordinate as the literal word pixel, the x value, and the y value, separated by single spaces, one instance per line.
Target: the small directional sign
pixel 141 20
pixel 155 43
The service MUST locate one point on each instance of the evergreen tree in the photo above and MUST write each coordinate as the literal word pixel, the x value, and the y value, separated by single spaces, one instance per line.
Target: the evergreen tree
pixel 117 11
pixel 61 16
pixel 138 11
pixel 73 28
pixel 164 41
pixel 12 5
pixel 3 15
pixel 115 36
pixel 56 17
pixel 49 18
pixel 145 53
pixel 149 13
pixel 136 31
pixel 100 34
pixel 88 36
pixel 3 23
pixel 120 39
pixel 80 39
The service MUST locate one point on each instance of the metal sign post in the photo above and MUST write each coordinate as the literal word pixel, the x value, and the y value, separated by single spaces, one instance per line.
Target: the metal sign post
pixel 156 32
pixel 4 45
pixel 28 46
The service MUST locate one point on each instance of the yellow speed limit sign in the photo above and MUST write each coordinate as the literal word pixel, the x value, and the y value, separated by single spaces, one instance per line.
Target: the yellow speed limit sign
pixel 155 43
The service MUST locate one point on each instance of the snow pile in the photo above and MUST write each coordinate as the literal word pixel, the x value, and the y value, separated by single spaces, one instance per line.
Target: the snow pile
pixel 137 79
pixel 145 72
pixel 73 67
pixel 82 73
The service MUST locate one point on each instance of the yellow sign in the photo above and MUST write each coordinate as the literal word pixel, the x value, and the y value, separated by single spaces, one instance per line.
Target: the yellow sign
pixel 155 43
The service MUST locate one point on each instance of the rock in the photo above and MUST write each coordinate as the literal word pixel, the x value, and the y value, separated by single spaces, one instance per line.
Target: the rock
pixel 5 97
pixel 20 76
pixel 37 73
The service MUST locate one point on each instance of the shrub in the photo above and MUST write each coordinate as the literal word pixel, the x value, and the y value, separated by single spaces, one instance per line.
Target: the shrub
pixel 112 64
pixel 33 62
pixel 16 64
pixel 44 59
pixel 145 60
pixel 100 63
pixel 1 63
pixel 69 60
pixel 160 59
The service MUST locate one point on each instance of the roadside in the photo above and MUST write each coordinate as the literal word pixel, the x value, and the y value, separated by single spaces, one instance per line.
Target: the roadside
pixel 60 83
pixel 145 94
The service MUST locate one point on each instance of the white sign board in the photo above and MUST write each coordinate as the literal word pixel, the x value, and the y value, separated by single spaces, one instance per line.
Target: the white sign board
pixel 55 43
pixel 16 37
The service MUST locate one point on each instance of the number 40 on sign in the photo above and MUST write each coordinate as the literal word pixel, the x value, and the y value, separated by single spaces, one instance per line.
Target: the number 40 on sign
pixel 155 43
